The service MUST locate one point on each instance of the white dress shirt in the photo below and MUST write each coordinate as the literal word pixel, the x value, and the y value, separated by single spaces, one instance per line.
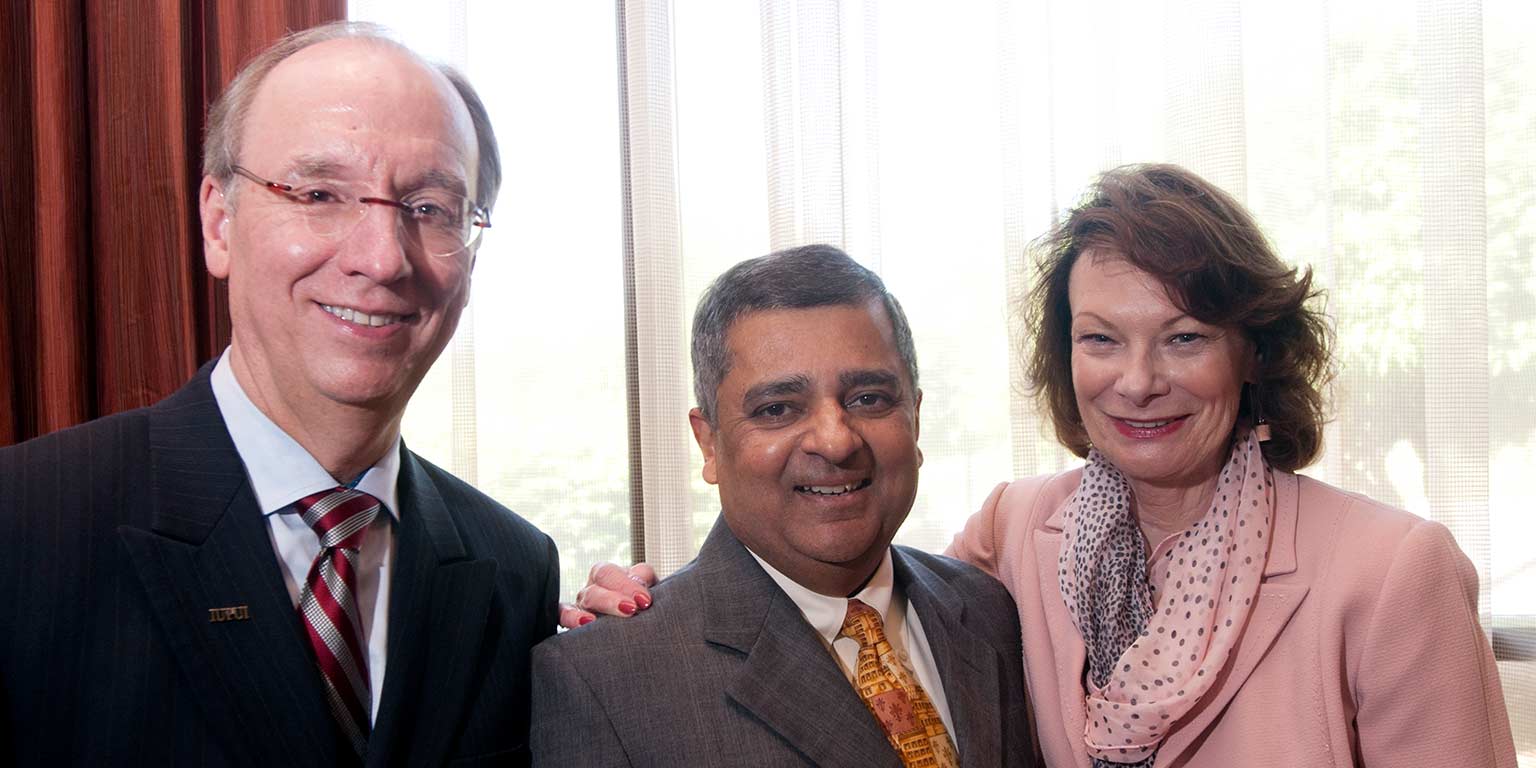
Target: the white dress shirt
pixel 282 472
pixel 903 628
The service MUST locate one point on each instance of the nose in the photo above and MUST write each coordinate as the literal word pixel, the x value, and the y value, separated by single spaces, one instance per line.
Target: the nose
pixel 830 434
pixel 376 246
pixel 1142 379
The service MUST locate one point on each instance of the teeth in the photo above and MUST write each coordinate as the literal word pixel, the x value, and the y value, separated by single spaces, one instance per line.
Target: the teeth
pixel 831 490
pixel 1148 424
pixel 361 318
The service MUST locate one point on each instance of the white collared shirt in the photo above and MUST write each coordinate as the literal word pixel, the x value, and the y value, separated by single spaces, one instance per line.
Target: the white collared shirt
pixel 282 472
pixel 903 628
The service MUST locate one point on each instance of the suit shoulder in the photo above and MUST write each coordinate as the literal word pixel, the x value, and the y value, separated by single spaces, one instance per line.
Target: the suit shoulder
pixel 1316 498
pixel 671 621
pixel 1014 509
pixel 1032 500
pixel 1352 546
pixel 79 443
pixel 973 583
pixel 84 467
pixel 1350 523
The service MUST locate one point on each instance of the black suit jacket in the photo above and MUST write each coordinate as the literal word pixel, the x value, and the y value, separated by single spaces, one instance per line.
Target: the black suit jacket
pixel 723 670
pixel 119 536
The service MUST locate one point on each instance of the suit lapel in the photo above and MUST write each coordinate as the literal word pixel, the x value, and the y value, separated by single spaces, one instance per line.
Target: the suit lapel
pixel 208 548
pixel 967 664
pixel 438 613
pixel 787 678
pixel 1276 603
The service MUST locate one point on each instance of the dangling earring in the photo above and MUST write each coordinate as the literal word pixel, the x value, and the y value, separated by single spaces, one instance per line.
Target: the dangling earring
pixel 1260 424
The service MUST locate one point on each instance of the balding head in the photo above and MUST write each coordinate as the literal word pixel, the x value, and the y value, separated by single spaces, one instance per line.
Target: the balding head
pixel 223 143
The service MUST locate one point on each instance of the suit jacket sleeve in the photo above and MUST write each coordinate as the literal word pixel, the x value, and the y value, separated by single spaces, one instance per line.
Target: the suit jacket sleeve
pixel 1426 686
pixel 549 612
pixel 570 726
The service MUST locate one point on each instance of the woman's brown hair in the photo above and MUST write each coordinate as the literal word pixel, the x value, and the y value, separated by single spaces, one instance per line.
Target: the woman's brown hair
pixel 1218 267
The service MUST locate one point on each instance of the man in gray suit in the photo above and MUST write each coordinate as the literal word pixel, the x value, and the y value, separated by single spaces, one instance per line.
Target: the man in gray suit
pixel 799 635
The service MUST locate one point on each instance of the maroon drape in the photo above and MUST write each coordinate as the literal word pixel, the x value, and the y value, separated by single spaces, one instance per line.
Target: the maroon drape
pixel 105 303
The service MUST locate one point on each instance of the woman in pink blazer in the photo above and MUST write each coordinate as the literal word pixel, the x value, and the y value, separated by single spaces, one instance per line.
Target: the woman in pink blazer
pixel 1185 599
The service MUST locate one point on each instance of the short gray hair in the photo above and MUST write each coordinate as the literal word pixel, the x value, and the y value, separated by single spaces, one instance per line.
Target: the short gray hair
pixel 226 118
pixel 796 278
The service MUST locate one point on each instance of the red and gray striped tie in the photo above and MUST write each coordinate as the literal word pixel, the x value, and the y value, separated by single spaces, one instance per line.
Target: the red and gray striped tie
pixel 328 604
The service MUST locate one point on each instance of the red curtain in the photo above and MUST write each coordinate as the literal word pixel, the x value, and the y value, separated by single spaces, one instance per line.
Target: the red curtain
pixel 106 305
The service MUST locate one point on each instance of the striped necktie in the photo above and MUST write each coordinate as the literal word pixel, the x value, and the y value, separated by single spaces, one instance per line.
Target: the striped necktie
pixel 910 721
pixel 328 605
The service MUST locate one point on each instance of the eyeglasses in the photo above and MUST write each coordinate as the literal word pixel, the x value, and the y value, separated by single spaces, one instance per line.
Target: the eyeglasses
pixel 438 222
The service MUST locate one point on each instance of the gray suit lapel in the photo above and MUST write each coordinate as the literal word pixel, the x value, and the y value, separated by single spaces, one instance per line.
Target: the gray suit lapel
pixel 787 678
pixel 967 664
pixel 208 548
pixel 439 609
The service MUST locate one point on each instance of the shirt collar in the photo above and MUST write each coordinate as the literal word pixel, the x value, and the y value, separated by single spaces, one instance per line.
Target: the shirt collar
pixel 825 613
pixel 281 471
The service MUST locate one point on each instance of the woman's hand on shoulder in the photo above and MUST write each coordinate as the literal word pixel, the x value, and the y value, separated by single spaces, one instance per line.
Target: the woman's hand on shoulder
pixel 611 590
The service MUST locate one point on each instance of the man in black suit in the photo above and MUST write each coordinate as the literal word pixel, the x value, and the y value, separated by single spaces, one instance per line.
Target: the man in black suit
pixel 799 635
pixel 255 571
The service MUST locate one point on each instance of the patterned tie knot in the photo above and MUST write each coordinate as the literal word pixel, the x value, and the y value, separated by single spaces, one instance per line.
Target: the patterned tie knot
pixel 339 516
pixel 908 717
pixel 862 624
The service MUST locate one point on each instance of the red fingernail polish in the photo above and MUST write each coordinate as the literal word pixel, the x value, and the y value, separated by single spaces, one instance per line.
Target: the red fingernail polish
pixel 585 620
pixel 627 608
pixel 642 601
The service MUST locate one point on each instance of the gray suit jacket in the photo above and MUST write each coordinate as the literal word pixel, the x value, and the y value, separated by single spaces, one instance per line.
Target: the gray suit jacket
pixel 724 671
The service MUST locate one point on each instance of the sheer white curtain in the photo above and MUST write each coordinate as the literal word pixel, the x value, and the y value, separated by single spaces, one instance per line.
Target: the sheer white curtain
pixel 529 401
pixel 1391 146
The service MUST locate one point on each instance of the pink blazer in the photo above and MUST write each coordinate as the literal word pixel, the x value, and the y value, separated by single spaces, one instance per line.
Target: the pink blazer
pixel 1363 650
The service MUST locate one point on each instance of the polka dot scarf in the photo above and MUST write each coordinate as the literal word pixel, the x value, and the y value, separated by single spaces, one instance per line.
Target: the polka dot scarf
pixel 1149 663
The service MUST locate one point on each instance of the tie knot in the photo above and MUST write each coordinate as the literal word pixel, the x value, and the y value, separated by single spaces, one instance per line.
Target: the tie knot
pixel 339 516
pixel 862 624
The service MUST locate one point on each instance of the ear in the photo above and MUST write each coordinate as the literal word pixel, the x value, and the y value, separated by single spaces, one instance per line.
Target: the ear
pixel 704 435
pixel 917 407
pixel 1255 363
pixel 215 212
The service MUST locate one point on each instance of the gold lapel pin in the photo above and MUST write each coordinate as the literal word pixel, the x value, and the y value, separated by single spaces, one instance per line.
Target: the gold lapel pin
pixel 232 613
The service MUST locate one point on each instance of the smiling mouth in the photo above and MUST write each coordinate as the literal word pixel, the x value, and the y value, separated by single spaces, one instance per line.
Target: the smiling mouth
pixel 1149 424
pixel 359 317
pixel 833 490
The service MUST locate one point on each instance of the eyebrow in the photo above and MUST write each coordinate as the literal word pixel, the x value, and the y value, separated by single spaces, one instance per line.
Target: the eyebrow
pixel 869 378
pixel 319 166
pixel 791 385
pixel 311 166
pixel 1094 316
pixel 438 179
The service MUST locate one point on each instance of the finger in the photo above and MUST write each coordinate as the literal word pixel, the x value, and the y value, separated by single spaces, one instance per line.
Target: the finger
pixel 631 585
pixel 572 617
pixel 610 591
pixel 643 573
pixel 637 581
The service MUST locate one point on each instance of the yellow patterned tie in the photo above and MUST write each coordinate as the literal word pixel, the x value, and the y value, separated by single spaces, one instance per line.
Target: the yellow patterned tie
pixel 909 719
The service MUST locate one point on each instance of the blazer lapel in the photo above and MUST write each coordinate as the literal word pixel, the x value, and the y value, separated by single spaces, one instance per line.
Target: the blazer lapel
pixel 208 549
pixel 1275 605
pixel 788 678
pixel 967 664
pixel 438 613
